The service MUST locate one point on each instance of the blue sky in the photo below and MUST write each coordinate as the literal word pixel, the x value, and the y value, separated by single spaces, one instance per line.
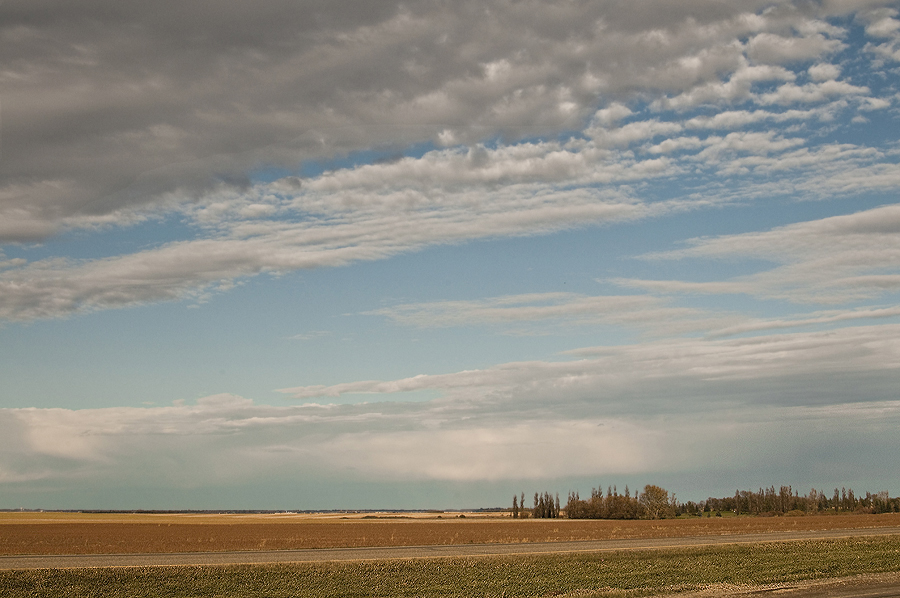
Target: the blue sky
pixel 427 255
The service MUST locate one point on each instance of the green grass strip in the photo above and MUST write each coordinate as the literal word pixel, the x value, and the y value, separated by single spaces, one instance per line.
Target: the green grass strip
pixel 607 574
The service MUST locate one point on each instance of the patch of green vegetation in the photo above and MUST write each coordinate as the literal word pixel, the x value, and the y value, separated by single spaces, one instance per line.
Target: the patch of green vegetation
pixel 606 574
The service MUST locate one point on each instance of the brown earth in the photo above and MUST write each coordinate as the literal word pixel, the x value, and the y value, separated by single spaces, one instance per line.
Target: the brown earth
pixel 70 533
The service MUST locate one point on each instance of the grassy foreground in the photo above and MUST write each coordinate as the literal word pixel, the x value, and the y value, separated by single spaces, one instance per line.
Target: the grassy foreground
pixel 624 573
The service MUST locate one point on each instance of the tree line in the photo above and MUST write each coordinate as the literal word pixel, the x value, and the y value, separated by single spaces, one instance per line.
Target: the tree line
pixel 655 502
pixel 769 501
pixel 545 507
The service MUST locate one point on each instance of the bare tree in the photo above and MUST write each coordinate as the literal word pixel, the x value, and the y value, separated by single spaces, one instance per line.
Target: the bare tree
pixel 655 501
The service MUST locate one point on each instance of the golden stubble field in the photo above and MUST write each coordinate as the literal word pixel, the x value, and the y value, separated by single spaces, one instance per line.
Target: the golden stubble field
pixel 76 533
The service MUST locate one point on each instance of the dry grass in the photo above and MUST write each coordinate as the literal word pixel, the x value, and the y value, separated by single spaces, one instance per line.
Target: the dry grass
pixel 72 533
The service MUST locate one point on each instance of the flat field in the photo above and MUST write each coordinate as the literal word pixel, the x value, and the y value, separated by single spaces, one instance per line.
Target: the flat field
pixel 781 568
pixel 77 533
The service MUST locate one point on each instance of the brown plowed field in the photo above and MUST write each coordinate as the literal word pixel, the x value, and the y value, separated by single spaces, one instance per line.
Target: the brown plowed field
pixel 68 533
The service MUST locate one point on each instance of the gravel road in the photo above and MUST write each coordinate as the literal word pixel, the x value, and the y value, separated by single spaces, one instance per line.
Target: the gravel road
pixel 413 552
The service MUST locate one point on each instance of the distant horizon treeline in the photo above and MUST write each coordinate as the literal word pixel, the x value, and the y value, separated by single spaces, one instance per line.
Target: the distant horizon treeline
pixel 655 502
pixel 787 500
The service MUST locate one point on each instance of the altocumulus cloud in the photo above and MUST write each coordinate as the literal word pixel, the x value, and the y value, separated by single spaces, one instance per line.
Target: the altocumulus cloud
pixel 377 211
pixel 160 147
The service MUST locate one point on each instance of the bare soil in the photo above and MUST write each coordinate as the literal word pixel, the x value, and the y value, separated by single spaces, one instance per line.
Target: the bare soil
pixel 72 533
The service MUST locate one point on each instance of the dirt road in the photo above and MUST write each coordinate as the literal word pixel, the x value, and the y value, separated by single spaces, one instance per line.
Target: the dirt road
pixel 413 552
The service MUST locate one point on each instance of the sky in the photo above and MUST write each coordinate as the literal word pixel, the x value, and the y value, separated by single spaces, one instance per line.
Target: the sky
pixel 358 254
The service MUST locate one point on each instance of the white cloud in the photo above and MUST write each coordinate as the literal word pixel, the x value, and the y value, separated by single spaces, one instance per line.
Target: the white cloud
pixel 612 114
pixel 378 210
pixel 881 22
pixel 655 316
pixel 837 259
pixel 884 28
pixel 878 227
pixel 99 142
pixel 677 144
pixel 875 104
pixel 612 371
pixel 652 315
pixel 775 49
pixel 852 178
pixel 789 93
pixel 628 134
pixel 496 452
pixel 681 286
pixel 733 119
pixel 738 87
pixel 824 71
pixel 56 288
pixel 635 409
pixel 747 143
pixel 887 51
pixel 812 319
pixel 470 80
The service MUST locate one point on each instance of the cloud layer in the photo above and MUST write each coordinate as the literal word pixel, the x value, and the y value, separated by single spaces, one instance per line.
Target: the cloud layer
pixel 91 141
pixel 445 196
pixel 640 410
